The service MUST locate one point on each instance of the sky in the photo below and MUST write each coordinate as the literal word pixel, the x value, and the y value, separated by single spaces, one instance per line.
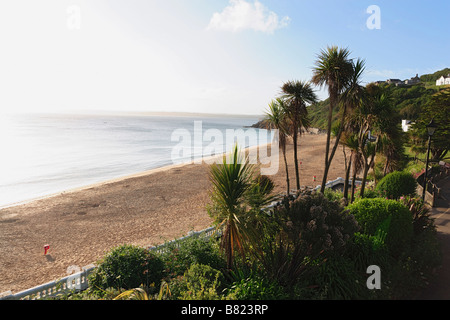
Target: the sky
pixel 208 56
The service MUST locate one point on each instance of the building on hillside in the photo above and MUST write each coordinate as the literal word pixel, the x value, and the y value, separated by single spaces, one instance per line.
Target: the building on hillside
pixel 414 80
pixel 406 124
pixel 400 83
pixel 444 80
pixel 394 81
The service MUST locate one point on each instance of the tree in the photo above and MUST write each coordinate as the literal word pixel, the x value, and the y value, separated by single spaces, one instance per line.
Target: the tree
pixel 372 118
pixel 392 141
pixel 350 100
pixel 297 95
pixel 334 70
pixel 237 191
pixel 349 140
pixel 276 119
pixel 438 110
pixel 231 181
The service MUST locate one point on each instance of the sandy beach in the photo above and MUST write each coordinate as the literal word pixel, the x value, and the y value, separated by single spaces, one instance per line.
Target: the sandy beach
pixel 144 209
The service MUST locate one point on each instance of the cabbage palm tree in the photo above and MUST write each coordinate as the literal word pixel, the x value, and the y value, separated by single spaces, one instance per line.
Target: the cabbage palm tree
pixel 297 95
pixel 374 117
pixel 334 69
pixel 276 119
pixel 231 181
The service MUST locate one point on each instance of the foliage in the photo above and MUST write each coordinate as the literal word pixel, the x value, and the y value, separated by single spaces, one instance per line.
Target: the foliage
pixel 336 70
pixel 300 231
pixel 260 193
pixel 276 119
pixel 200 282
pixel 371 214
pixel 141 294
pixel 337 278
pixel 411 100
pixel 426 251
pixel 438 110
pixel 256 287
pixel 297 95
pixel 179 256
pixel 434 76
pixel 367 250
pixel 333 195
pixel 368 194
pixel 397 184
pixel 127 267
pixel 420 214
pixel 231 182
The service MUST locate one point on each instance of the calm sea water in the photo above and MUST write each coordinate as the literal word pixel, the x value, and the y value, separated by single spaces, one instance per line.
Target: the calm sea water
pixel 45 154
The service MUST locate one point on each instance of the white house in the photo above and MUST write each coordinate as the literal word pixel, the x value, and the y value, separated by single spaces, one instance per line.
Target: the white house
pixel 443 80
pixel 406 124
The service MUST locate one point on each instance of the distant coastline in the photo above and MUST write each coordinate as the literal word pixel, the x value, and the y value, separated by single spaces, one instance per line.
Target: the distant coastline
pixel 152 114
pixel 48 153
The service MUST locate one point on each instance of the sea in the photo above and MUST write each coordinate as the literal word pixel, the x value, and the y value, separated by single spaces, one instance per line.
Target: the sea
pixel 45 154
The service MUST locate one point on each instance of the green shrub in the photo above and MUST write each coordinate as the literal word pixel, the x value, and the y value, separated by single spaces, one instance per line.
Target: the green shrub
pixel 333 195
pixel 180 256
pixel 256 288
pixel 127 267
pixel 324 225
pixel 420 213
pixel 390 216
pixel 300 230
pixel 366 250
pixel 397 184
pixel 368 194
pixel 200 282
pixel 336 278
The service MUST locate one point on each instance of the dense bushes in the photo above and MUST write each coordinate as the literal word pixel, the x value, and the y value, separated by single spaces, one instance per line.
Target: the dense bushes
pixel 199 282
pixel 308 248
pixel 179 256
pixel 397 184
pixel 321 225
pixel 385 216
pixel 127 267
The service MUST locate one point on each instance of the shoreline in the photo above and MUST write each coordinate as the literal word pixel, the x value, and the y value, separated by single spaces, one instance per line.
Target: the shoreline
pixel 145 209
pixel 125 177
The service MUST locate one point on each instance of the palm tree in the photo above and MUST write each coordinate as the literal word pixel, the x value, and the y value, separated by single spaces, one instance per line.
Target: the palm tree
pixel 333 69
pixel 373 118
pixel 276 119
pixel 357 164
pixel 349 140
pixel 231 180
pixel 297 95
pixel 392 146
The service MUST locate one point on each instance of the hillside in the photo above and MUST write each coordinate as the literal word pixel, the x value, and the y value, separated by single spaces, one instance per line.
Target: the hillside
pixel 431 78
pixel 408 99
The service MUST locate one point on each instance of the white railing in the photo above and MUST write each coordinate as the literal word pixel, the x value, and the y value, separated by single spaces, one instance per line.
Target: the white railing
pixel 79 281
pixel 205 233
pixel 73 283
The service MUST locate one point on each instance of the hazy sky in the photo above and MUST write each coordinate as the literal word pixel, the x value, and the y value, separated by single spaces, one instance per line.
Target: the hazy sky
pixel 219 56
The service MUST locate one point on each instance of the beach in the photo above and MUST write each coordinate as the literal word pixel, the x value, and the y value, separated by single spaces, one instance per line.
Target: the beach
pixel 144 209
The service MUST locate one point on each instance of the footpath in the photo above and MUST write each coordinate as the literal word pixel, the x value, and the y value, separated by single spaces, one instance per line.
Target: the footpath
pixel 439 288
